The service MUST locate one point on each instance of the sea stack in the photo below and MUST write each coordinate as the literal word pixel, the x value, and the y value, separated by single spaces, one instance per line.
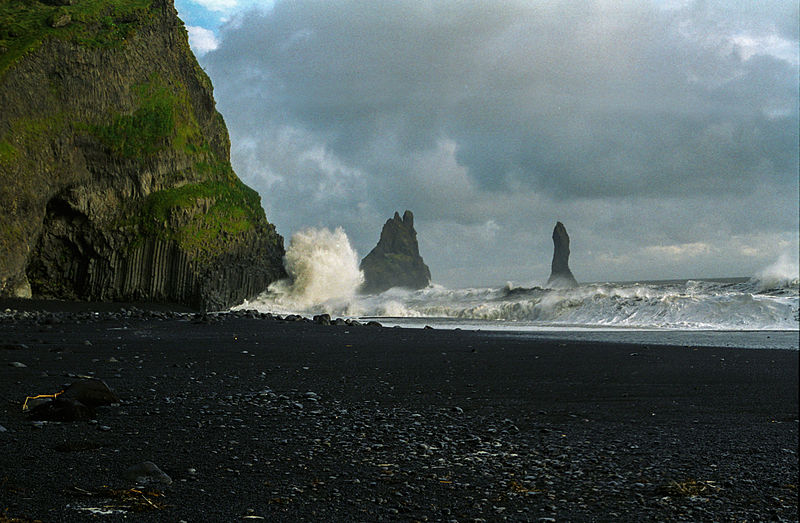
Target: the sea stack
pixel 115 175
pixel 395 261
pixel 560 275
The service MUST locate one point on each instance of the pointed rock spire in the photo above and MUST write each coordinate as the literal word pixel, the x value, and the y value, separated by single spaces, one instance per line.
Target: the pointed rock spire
pixel 560 275
pixel 395 261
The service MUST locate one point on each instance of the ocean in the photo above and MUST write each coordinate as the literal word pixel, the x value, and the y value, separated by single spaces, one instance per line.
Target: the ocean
pixel 753 312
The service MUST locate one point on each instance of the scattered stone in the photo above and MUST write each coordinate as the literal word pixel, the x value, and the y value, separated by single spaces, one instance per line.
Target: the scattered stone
pixel 203 318
pixel 322 319
pixel 77 446
pixel 13 346
pixel 147 472
pixel 18 364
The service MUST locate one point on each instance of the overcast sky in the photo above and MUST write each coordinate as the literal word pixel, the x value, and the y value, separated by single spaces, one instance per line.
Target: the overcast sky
pixel 664 134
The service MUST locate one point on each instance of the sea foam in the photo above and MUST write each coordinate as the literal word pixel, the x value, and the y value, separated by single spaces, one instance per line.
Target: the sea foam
pixel 324 277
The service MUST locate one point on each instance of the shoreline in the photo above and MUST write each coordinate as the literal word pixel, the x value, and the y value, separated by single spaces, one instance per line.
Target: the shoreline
pixel 265 418
pixel 780 339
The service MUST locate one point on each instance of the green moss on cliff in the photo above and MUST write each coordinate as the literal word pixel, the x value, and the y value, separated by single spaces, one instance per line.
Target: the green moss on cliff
pixel 26 134
pixel 25 24
pixel 32 129
pixel 203 218
pixel 163 118
pixel 91 172
pixel 145 131
pixel 8 154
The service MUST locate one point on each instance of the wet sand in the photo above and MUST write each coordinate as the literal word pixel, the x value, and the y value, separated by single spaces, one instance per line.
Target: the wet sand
pixel 262 418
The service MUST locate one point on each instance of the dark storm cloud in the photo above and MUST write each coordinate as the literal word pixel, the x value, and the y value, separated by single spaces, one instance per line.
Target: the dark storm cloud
pixel 341 112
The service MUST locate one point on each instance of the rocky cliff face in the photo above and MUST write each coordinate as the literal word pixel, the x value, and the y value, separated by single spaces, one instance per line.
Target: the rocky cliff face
pixel 395 261
pixel 560 275
pixel 115 179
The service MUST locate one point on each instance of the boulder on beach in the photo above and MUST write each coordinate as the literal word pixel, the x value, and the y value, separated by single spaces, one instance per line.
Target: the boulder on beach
pixel 75 403
pixel 395 261
pixel 560 275
pixel 91 392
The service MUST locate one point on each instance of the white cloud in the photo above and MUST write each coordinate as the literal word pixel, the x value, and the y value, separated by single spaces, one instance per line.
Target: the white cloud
pixel 201 40
pixel 655 135
pixel 678 251
pixel 218 5
pixel 769 45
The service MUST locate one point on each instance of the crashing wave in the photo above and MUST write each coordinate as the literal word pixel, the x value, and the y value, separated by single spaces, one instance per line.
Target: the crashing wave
pixel 325 278
pixel 323 272
pixel 781 275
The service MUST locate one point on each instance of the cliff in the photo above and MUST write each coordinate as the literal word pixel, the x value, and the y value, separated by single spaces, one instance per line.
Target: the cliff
pixel 560 275
pixel 395 261
pixel 115 179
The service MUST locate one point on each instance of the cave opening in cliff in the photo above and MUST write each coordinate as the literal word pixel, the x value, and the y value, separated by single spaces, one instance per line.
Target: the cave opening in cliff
pixel 59 262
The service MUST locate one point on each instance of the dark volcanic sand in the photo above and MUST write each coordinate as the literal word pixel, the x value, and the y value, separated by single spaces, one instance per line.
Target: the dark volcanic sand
pixel 402 424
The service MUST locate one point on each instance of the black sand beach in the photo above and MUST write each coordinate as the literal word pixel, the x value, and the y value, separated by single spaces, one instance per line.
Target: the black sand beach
pixel 291 421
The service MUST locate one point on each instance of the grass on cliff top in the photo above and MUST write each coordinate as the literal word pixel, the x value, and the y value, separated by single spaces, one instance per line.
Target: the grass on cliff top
pixel 25 24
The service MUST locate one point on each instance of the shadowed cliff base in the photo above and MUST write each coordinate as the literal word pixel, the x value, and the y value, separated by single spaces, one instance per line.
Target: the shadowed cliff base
pixel 115 179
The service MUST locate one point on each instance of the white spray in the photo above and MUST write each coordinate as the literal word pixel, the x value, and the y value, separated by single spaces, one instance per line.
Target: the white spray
pixel 323 271
pixel 781 274
pixel 324 277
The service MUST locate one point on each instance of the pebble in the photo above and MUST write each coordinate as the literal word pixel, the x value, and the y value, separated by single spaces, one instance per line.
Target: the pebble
pixel 17 364
pixel 147 472
pixel 424 457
